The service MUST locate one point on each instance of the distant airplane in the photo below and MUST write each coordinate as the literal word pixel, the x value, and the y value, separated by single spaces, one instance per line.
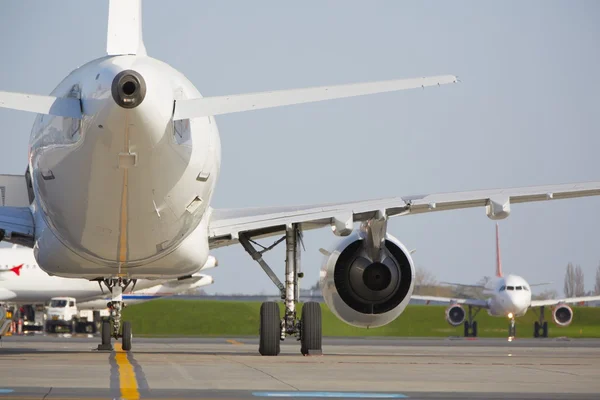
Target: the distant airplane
pixel 510 296
pixel 122 165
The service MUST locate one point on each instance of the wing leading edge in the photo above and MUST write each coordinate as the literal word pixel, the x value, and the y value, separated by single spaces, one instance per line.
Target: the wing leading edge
pixel 570 300
pixel 226 224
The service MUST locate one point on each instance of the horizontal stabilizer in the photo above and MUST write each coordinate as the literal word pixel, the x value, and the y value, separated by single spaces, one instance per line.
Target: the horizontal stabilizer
pixel 124 34
pixel 207 106
pixel 60 106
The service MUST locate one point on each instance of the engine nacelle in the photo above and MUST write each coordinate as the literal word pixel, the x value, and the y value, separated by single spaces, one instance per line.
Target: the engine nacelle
pixel 362 292
pixel 455 315
pixel 562 315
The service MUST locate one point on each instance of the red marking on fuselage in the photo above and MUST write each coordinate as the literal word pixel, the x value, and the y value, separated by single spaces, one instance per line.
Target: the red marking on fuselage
pixel 17 269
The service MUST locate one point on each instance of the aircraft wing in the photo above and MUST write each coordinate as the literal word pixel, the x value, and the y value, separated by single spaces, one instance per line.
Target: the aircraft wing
pixel 227 224
pixel 463 285
pixel 466 302
pixel 570 300
pixel 16 225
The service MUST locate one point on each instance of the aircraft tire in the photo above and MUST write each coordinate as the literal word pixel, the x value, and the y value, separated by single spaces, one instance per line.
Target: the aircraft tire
pixel 545 330
pixel 474 329
pixel 311 333
pixel 536 329
pixel 127 336
pixel 467 329
pixel 270 329
pixel 106 333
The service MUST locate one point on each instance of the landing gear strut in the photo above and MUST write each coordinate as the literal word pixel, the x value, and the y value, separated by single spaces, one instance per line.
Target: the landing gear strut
pixel 112 328
pixel 470 325
pixel 512 329
pixel 540 327
pixel 273 328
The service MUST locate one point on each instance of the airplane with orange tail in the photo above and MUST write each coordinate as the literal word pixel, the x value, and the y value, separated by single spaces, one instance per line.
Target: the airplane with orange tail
pixel 509 296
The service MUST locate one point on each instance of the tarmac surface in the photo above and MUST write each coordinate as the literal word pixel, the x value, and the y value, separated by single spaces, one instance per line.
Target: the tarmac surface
pixel 57 367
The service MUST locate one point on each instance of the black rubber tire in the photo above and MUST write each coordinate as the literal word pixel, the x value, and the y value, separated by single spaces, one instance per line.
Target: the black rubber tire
pixel 311 335
pixel 545 330
pixel 467 329
pixel 474 329
pixel 127 336
pixel 106 332
pixel 536 329
pixel 270 329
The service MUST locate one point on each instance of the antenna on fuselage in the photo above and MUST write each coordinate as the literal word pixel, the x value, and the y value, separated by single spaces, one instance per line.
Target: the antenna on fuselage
pixel 124 34
pixel 498 261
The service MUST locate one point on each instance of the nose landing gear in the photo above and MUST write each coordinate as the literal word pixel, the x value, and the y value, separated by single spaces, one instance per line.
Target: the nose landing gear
pixel 512 329
pixel 112 328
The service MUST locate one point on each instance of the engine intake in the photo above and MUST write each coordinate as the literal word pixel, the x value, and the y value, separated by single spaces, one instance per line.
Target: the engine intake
pixel 455 315
pixel 364 292
pixel 562 315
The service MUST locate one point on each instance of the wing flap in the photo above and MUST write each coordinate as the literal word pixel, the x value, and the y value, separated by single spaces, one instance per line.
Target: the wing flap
pixel 69 107
pixel 208 106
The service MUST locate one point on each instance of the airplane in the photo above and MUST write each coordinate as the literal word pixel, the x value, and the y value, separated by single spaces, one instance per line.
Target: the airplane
pixel 22 281
pixel 123 160
pixel 509 296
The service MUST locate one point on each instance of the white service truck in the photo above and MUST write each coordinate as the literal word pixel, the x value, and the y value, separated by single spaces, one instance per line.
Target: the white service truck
pixel 62 314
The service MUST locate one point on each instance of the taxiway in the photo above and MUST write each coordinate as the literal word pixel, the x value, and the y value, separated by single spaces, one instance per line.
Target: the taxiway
pixel 36 367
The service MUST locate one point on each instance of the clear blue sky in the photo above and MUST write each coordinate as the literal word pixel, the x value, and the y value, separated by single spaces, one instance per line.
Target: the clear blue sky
pixel 525 113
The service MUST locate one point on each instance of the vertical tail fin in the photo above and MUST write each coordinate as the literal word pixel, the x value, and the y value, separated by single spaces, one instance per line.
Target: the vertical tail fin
pixel 124 35
pixel 498 261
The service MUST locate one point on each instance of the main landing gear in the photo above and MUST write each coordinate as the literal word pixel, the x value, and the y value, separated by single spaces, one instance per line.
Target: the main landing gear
pixel 112 328
pixel 273 328
pixel 540 327
pixel 470 325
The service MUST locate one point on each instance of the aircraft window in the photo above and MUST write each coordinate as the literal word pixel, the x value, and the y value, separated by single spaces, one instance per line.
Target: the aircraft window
pixel 519 288
pixel 510 288
pixel 58 303
pixel 525 288
pixel 502 288
pixel 71 304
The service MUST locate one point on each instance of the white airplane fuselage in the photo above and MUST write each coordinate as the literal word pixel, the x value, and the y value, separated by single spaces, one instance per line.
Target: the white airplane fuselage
pixel 124 191
pixel 22 281
pixel 510 295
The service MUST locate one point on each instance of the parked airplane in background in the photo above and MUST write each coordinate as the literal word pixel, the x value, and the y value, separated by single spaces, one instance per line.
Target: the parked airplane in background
pixel 123 161
pixel 510 296
pixel 22 281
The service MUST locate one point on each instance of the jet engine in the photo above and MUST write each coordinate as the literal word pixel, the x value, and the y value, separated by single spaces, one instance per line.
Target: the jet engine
pixel 455 315
pixel 562 315
pixel 367 282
